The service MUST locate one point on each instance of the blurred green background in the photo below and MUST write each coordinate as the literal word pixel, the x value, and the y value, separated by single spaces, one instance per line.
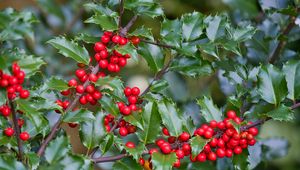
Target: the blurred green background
pixel 65 17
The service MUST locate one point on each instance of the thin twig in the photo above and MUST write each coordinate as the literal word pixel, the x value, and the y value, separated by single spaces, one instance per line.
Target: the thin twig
pixel 124 30
pixel 158 44
pixel 17 130
pixel 276 53
pixel 121 14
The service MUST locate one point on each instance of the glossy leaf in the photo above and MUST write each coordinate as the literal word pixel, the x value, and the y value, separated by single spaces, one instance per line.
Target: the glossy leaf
pixel 70 49
pixel 163 162
pixel 135 119
pixel 213 30
pixel 106 22
pixel 9 162
pixel 144 7
pixel 109 106
pixel 107 143
pixel 171 32
pixel 136 152
pixel 292 76
pixel 153 55
pixel 197 144
pixel 128 49
pixel 192 26
pixel 159 85
pixel 30 65
pixel 113 83
pixel 57 84
pixel 240 161
pixel 79 116
pixel 142 32
pixel 282 113
pixel 57 149
pixel 208 110
pixel 126 164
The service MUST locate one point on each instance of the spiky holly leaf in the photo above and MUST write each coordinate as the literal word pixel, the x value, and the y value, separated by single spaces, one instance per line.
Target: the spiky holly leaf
pixel 57 149
pixel 77 116
pixel 163 162
pixel 197 144
pixel 56 83
pixel 282 113
pixel 292 76
pixel 208 110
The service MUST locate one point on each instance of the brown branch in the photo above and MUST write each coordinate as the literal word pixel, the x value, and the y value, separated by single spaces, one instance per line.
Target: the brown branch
pixel 121 14
pixel 124 30
pixel 17 130
pixel 56 127
pixel 276 53
pixel 158 44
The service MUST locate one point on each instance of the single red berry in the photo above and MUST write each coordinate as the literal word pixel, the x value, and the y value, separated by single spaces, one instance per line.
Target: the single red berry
pixel 89 98
pixel 159 142
pixel 105 39
pixel 21 75
pixel 221 143
pixel 230 132
pixel 130 145
pixel 127 91
pixel 114 60
pixel 103 64
pixel 165 131
pixel 133 107
pixel 213 124
pixel 212 156
pixel 24 136
pixel 24 94
pixel 80 73
pixel 250 136
pixel 10 89
pixel 186 148
pixel 80 89
pixel 201 157
pixel 82 100
pixel 231 114
pixel 132 99
pixel 107 128
pixel 171 139
pixel 131 129
pixel 120 105
pixel 251 142
pixel 111 67
pixel 9 131
pixel 179 154
pixel 208 134
pixel 237 150
pixel 4 83
pixel 93 77
pixel 221 152
pixel 103 54
pixel 116 39
pixel 84 78
pixel 135 91
pixel 99 46
pixel 108 33
pixel 207 148
pixel 72 125
pixel 65 92
pixel 117 68
pixel 20 122
pixel 228 153
pixel 166 148
pixel 142 161
pixel 123 41
pixel 253 131
pixel 184 137
pixel 126 110
pixel 213 142
pixel 135 40
pixel 97 95
pixel 153 150
pixel 97 57
pixel 122 62
pixel 72 83
pixel 90 89
pixel 123 131
pixel 177 164
pixel 200 131
pixel 13 80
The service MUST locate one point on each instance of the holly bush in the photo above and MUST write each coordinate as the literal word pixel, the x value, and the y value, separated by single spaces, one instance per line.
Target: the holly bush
pixel 255 60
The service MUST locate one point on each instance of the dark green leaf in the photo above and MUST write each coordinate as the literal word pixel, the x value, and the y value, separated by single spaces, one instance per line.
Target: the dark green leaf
pixel 282 113
pixel 113 83
pixel 208 110
pixel 87 38
pixel 171 32
pixel 134 119
pixel 78 116
pixel 159 85
pixel 192 26
pixel 70 49
pixel 142 32
pixel 91 133
pixel 33 160
pixel 240 162
pixel 292 76
pixel 107 22
pixel 107 143
pixel 153 55
pixel 51 7
pixel 189 125
pixel 30 65
pixel 209 48
pixel 213 30
pixel 109 106
pixel 71 162
pixel 136 152
pixel 126 164
pixel 163 162
pixel 57 149
pixel 9 163
pixel 128 49
pixel 144 7
pixel 3 98
pixel 272 85
pixel 151 120
pixel 57 84
pixel 99 9
pixel 197 144
pixel 171 117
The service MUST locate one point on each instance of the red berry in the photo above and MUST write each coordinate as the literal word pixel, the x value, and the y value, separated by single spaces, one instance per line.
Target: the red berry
pixel 105 38
pixel 127 91
pixel 65 92
pixel 201 157
pixel 208 134
pixel 230 132
pixel 13 80
pixel 126 110
pixel 80 73
pixel 251 142
pixel 253 131
pixel 123 131
pixel 159 142
pixel 103 64
pixel 10 89
pixel 111 67
pixel 228 153
pixel 133 107
pixel 237 150
pixel 9 131
pixel 24 94
pixel 108 33
pixel 135 91
pixel 200 131
pixel 120 105
pixel 165 131
pixel 130 145
pixel 131 129
pixel 116 39
pixel 72 125
pixel 184 137
pixel 212 156
pixel 4 83
pixel 132 99
pixel 24 136
pixel 122 62
pixel 221 152
pixel 83 100
pixel 213 142
pixel 186 148
pixel 93 78
pixel 20 122
pixel 221 125
pixel 207 148
pixel 97 95
pixel 213 124
pixel 99 46
pixel 135 40
pixel 176 164
pixel 231 114
pixel 117 68
pixel 90 89
pixel 123 41
pixel 97 57
pixel 179 154
pixel 72 83
pixel 153 150
pixel 221 143
pixel 80 89
pixel 142 161
pixel 114 60
pixel 171 139
pixel 166 148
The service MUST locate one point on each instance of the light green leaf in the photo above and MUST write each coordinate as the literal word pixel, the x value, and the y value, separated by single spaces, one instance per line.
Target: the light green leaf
pixel 197 144
pixel 128 49
pixel 113 83
pixel 272 85
pixel 208 110
pixel 106 22
pixel 30 65
pixel 57 84
pixel 159 86
pixel 142 32
pixel 282 113
pixel 153 55
pixel 57 149
pixel 192 26
pixel 70 49
pixel 213 27
pixel 79 116
pixel 292 76
pixel 171 117
pixel 134 119
pixel 163 162
pixel 109 106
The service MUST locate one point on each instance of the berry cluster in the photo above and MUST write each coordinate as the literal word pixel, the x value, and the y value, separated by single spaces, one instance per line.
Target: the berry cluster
pixel 125 128
pixel 114 61
pixel 132 95
pixel 13 83
pixel 224 141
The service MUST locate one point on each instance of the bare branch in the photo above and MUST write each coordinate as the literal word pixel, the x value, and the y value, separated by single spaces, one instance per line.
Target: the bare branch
pixel 158 44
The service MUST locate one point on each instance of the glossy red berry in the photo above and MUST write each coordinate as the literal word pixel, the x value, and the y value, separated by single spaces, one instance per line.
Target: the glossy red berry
pixel 176 164
pixel 24 136
pixel 253 131
pixel 130 145
pixel 93 77
pixel 72 83
pixel 103 64
pixel 105 38
pixel 123 131
pixel 212 156
pixel 24 94
pixel 142 161
pixel 20 122
pixel 221 152
pixel 123 41
pixel 97 95
pixel 103 54
pixel 65 92
pixel 213 124
pixel 80 89
pixel 122 62
pixel 80 73
pixel 159 142
pixel 166 148
pixel 135 91
pixel 165 131
pixel 99 46
pixel 116 39
pixel 184 137
pixel 82 100
pixel 90 89
pixel 179 154
pixel 9 131
pixel 153 150
pixel 201 157
pixel 231 114
pixel 127 91
pixel 126 110
pixel 72 125
pixel 132 99
pixel 228 153
pixel 208 134
pixel 135 40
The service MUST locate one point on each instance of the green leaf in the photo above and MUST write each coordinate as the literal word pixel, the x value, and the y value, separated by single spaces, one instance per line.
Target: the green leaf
pixel 211 49
pixel 282 113
pixel 240 162
pixel 142 32
pixel 51 7
pixel 57 84
pixel 57 149
pixel 272 85
pixel 126 164
pixel 33 160
pixel 71 162
pixel 136 152
pixel 9 163
pixel 107 22
pixel 191 66
pixel 70 49
pixel 192 26
pixel 292 76
pixel 144 7
pixel 86 38
pixel 159 85
pixel 79 116
pixel 134 119
pixel 113 83
pixel 153 55
pixel 151 120
pixel 98 8
pixel 163 162
pixel 208 110
pixel 107 143
pixel 109 106
pixel 243 33
pixel 197 144
pixel 128 49
pixel 189 125
pixel 171 32
pixel 30 65
pixel 3 97
pixel 213 27
pixel 171 117
pixel 92 132
pixel 36 118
